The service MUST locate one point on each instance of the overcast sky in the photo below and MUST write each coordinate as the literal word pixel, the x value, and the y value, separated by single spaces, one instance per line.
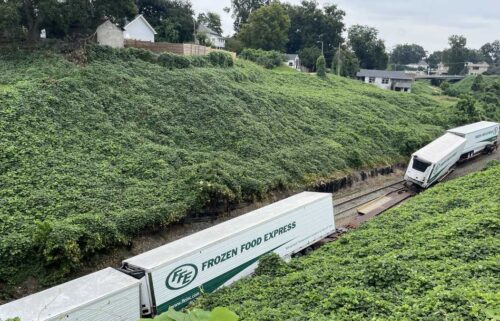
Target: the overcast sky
pixel 425 22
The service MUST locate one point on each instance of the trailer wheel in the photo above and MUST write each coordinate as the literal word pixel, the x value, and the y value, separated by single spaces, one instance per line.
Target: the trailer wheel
pixel 308 250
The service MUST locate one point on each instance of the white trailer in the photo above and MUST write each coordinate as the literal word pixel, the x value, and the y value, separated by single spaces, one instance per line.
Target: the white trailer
pixel 106 295
pixel 176 273
pixel 478 135
pixel 433 161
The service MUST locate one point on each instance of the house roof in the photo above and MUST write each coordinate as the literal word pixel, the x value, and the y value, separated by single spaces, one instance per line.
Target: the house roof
pixel 208 30
pixel 291 56
pixel 480 64
pixel 140 18
pixel 383 74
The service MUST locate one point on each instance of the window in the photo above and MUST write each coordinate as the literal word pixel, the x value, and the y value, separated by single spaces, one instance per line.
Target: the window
pixel 371 80
pixel 290 64
pixel 475 68
pixel 385 80
pixel 419 165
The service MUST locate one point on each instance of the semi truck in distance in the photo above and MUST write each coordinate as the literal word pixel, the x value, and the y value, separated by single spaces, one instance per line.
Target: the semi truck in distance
pixel 176 273
pixel 434 161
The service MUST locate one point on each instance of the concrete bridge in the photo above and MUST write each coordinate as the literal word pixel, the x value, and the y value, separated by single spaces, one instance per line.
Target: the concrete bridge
pixel 440 77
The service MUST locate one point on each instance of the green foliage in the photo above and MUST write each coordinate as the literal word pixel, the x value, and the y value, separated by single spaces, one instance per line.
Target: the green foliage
pixel 217 314
pixel 309 56
pixel 434 258
pixel 345 63
pixel 445 86
pixel 310 23
pixel 485 90
pixel 62 19
pixel 369 49
pixel 478 84
pixel 266 28
pixel 404 54
pixel 321 66
pixel 211 20
pixel 91 155
pixel 272 265
pixel 267 59
pixel 241 10
pixel 456 55
pixel 172 19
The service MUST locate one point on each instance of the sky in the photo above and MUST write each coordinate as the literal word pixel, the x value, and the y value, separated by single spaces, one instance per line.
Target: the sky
pixel 428 23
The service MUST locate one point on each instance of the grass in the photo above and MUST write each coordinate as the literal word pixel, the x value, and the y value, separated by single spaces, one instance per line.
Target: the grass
pixel 434 258
pixel 90 156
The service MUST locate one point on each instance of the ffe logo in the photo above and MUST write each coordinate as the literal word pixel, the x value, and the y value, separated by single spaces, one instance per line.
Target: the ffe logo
pixel 181 276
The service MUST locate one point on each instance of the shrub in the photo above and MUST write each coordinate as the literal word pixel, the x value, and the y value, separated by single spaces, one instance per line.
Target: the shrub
pixel 221 59
pixel 321 66
pixel 267 59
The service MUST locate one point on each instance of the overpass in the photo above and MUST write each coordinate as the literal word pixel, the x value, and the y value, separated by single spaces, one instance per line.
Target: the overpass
pixel 440 77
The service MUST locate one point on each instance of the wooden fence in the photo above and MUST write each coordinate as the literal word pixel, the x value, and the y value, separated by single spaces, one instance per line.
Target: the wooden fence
pixel 185 49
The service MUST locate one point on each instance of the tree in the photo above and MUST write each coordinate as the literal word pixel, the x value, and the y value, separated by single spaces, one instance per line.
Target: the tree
pixel 321 66
pixel 457 54
pixel 61 19
pixel 435 58
pixel 172 19
pixel 211 20
pixel 368 48
pixel 242 9
pixel 465 109
pixel 407 53
pixel 478 83
pixel 310 25
pixel 267 28
pixel 234 44
pixel 345 63
pixel 491 52
pixel 10 20
pixel 309 56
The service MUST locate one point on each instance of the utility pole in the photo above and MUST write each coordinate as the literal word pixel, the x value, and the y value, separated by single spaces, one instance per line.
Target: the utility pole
pixel 338 61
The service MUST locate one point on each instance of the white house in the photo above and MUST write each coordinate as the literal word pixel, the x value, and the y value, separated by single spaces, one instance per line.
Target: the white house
pixel 109 34
pixel 139 29
pixel 421 65
pixel 393 80
pixel 442 69
pixel 292 61
pixel 476 69
pixel 211 35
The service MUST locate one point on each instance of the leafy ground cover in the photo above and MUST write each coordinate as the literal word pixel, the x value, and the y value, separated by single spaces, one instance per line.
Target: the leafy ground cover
pixel 436 257
pixel 91 155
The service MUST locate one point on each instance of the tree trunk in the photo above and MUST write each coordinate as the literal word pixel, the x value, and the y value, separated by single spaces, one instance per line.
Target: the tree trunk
pixel 32 21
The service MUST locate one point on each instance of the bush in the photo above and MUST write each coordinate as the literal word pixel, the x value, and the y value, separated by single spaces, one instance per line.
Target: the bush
pixel 321 66
pixel 221 59
pixel 267 59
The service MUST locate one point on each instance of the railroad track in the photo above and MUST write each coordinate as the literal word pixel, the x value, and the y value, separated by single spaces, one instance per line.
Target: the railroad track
pixel 393 187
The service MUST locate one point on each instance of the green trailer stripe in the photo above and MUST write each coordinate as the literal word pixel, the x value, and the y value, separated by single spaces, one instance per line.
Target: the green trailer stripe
pixel 183 300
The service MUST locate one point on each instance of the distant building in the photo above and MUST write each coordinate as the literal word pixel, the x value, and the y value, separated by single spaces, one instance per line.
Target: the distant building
pixel 292 61
pixel 109 34
pixel 216 39
pixel 476 68
pixel 442 69
pixel 421 65
pixel 392 80
pixel 139 29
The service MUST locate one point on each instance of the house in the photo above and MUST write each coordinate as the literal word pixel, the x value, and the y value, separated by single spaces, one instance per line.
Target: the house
pixel 109 34
pixel 393 80
pixel 292 61
pixel 139 29
pixel 421 65
pixel 212 36
pixel 442 69
pixel 476 68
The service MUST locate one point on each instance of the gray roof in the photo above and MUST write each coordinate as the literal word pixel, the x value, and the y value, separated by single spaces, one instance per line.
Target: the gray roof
pixel 383 74
pixel 291 56
pixel 203 28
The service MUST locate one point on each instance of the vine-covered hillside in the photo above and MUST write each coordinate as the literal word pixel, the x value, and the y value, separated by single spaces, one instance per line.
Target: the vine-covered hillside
pixel 90 155
pixel 434 258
